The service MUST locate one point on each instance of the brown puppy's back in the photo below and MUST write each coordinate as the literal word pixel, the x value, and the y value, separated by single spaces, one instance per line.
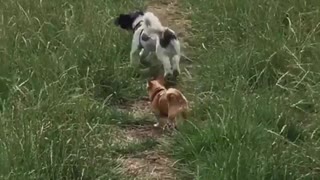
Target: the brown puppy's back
pixel 160 104
pixel 166 103
pixel 177 103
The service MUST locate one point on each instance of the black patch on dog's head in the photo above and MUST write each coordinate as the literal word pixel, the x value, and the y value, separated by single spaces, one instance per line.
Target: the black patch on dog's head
pixel 167 37
pixel 125 21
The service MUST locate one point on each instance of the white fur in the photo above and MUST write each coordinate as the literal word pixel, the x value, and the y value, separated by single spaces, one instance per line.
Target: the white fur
pixel 154 23
pixel 169 56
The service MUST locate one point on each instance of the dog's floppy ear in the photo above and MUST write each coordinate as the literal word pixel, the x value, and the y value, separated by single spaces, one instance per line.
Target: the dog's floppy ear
pixel 117 20
pixel 124 21
pixel 123 15
pixel 149 84
pixel 161 80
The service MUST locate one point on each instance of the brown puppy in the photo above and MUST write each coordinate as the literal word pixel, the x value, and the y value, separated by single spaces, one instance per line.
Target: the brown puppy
pixel 166 104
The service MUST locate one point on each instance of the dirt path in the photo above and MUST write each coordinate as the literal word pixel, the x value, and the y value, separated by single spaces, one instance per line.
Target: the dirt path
pixel 153 163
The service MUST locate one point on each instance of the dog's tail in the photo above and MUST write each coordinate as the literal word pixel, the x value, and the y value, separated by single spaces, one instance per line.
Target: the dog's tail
pixel 152 24
pixel 177 102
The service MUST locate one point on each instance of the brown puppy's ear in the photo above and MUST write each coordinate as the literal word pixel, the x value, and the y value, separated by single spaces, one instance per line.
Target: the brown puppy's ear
pixel 149 84
pixel 161 80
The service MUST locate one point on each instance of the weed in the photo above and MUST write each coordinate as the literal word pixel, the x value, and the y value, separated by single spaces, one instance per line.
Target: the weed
pixel 62 67
pixel 255 113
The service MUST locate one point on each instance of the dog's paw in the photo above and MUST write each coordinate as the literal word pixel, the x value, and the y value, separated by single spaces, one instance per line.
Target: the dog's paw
pixel 176 73
pixel 172 126
pixel 168 77
pixel 170 80
pixel 164 127
pixel 145 72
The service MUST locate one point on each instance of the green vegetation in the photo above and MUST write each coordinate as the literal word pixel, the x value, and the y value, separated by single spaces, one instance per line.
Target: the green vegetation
pixel 63 63
pixel 256 111
pixel 64 69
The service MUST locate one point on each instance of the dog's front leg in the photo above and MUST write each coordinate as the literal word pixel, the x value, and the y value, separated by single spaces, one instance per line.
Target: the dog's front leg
pixel 134 60
pixel 145 57
pixel 143 54
pixel 176 65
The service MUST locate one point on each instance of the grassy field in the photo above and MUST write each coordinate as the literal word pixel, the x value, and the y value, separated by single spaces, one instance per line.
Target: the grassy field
pixel 63 63
pixel 256 113
pixel 64 68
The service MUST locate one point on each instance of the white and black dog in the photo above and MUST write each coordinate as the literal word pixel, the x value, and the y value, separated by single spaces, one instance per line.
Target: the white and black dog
pixel 150 36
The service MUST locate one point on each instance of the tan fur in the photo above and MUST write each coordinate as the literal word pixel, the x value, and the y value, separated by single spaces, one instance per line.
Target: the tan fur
pixel 166 104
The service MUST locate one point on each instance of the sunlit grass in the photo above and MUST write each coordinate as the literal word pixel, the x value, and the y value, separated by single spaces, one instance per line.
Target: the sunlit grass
pixel 256 107
pixel 62 66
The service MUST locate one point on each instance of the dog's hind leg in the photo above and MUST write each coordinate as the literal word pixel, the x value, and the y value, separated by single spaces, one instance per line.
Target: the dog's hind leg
pixel 161 121
pixel 172 122
pixel 176 65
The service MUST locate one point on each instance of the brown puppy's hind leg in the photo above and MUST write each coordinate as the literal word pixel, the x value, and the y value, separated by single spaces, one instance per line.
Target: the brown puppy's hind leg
pixel 172 119
pixel 162 122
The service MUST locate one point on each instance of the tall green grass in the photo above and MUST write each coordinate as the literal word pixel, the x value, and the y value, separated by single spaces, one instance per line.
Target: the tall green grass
pixel 63 63
pixel 255 114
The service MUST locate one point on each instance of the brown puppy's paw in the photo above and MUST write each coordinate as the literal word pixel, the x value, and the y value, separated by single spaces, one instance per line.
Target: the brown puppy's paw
pixel 164 127
pixel 172 125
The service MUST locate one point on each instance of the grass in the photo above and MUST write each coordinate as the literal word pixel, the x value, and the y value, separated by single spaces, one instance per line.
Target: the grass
pixel 256 111
pixel 65 68
pixel 62 65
